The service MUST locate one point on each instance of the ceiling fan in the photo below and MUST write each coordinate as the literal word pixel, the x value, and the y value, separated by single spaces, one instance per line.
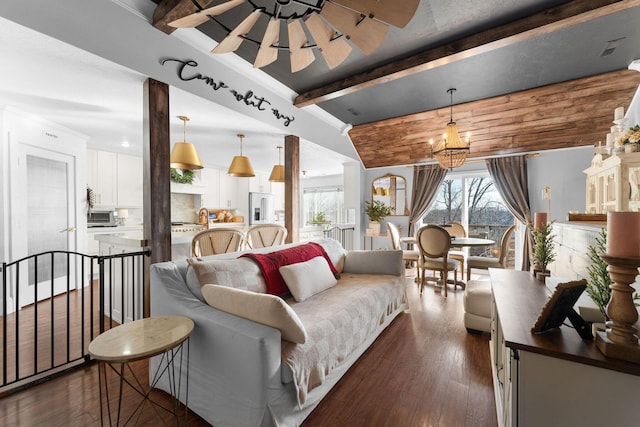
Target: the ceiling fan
pixel 330 23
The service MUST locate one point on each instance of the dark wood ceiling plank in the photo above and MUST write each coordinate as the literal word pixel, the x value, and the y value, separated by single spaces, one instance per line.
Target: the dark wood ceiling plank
pixel 544 22
pixel 569 114
pixel 170 10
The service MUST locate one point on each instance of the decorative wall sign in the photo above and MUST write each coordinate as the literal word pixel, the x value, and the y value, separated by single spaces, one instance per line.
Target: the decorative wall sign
pixel 186 72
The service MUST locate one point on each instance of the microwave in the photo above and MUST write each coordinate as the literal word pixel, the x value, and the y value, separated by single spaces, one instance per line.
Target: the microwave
pixel 102 218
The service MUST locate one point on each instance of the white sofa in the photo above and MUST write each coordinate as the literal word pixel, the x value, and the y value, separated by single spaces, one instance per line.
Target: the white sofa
pixel 236 374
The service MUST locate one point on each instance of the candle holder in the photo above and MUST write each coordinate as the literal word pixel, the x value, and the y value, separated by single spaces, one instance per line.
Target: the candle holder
pixel 620 340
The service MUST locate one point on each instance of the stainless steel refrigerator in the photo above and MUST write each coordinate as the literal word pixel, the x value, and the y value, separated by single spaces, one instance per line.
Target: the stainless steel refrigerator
pixel 261 208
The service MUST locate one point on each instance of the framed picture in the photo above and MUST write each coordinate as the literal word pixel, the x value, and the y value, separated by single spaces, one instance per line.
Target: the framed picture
pixel 560 306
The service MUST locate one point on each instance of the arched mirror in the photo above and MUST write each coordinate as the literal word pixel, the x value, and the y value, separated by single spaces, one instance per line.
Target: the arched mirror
pixel 392 191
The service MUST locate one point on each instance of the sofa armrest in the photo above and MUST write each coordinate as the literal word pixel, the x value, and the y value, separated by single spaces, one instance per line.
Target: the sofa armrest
pixel 238 359
pixel 374 262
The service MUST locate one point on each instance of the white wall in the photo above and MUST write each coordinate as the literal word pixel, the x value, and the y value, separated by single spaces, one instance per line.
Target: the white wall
pixel 561 170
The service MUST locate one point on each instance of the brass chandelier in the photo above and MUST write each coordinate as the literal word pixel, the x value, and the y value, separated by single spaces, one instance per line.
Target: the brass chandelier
pixel 451 152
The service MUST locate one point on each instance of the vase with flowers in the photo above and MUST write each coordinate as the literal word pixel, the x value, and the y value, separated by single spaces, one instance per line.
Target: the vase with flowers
pixel 630 139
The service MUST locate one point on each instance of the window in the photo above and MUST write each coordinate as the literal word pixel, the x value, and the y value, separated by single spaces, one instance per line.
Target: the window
pixel 323 205
pixel 473 201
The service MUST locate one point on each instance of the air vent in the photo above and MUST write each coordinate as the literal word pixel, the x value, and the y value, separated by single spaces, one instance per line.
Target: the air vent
pixel 612 45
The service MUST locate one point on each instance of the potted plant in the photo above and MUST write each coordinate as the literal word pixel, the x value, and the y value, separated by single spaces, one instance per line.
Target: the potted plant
pixel 599 280
pixel 543 252
pixel 376 211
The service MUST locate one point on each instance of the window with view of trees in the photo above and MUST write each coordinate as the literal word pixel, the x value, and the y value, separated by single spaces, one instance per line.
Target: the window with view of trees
pixel 473 201
pixel 323 205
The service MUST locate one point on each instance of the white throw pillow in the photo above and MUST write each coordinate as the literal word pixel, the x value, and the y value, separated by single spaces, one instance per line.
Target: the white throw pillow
pixel 305 279
pixel 336 252
pixel 267 309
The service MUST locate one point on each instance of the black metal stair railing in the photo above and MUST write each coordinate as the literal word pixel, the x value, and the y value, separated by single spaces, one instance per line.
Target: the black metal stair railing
pixel 54 303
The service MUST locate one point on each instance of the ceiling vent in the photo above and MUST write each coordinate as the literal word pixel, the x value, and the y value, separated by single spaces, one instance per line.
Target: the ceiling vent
pixel 611 46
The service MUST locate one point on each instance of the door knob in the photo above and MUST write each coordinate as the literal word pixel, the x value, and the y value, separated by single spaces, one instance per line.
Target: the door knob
pixel 69 229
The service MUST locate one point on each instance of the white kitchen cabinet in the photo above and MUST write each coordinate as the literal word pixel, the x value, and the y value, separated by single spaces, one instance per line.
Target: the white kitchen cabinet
pixel 102 176
pixel 116 179
pixel 129 173
pixel 229 192
pixel 211 184
pixel 260 183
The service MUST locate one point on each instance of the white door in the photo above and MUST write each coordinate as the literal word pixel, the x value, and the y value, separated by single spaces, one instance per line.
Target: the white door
pixel 45 183
pixel 43 214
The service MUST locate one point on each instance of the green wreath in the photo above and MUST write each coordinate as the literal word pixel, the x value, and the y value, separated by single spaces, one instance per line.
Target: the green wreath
pixel 182 176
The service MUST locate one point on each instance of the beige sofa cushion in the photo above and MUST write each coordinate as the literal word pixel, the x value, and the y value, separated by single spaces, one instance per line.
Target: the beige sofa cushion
pixel 240 273
pixel 305 279
pixel 267 309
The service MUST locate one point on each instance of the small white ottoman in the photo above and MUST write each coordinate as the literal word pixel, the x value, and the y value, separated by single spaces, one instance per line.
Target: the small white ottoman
pixel 477 306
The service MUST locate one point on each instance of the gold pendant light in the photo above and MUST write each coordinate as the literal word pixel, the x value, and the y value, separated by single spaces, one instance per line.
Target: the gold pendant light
pixel 277 173
pixel 184 155
pixel 451 152
pixel 240 165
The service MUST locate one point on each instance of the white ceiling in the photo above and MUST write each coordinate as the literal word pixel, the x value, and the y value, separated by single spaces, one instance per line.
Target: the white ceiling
pixel 103 100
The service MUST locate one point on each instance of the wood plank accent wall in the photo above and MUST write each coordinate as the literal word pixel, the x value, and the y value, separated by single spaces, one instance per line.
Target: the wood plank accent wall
pixel 569 114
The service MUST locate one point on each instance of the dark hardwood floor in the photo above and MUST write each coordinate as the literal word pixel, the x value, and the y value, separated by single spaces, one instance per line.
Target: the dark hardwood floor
pixel 424 370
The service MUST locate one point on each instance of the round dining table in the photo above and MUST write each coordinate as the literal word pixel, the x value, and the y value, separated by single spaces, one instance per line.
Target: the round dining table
pixel 457 242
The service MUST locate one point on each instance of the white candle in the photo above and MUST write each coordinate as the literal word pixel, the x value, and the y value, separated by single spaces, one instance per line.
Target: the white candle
pixel 618 113
pixel 623 234
pixel 609 140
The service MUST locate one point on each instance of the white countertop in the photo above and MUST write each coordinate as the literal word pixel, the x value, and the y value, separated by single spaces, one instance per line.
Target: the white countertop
pixel 135 239
pixel 118 229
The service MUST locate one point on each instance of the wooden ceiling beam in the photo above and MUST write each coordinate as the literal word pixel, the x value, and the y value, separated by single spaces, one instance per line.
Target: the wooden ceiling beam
pixel 170 10
pixel 547 21
pixel 570 114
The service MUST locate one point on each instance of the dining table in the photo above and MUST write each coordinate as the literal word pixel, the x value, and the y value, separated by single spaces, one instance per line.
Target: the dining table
pixel 457 242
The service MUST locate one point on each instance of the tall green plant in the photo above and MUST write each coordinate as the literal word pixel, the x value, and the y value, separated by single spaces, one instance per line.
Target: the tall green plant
pixel 599 279
pixel 543 253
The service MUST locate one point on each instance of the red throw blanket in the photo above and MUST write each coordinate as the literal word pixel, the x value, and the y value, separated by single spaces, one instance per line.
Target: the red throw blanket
pixel 269 264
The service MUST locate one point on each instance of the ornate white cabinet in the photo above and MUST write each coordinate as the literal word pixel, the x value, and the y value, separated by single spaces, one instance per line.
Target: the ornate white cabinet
pixel 613 183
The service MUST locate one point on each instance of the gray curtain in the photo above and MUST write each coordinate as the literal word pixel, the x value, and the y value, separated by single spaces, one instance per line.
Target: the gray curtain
pixel 510 177
pixel 426 181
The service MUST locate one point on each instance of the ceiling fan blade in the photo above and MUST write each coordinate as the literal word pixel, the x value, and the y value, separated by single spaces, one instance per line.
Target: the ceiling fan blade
pixel 300 57
pixel 267 53
pixel 234 39
pixel 394 12
pixel 367 34
pixel 201 16
pixel 333 51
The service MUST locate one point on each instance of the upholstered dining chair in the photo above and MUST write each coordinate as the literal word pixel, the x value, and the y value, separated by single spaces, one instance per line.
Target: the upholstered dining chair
pixel 265 235
pixel 457 230
pixel 484 263
pixel 410 256
pixel 216 241
pixel 434 243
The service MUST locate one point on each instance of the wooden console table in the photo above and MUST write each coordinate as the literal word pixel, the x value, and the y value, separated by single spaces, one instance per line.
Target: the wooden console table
pixel 554 378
